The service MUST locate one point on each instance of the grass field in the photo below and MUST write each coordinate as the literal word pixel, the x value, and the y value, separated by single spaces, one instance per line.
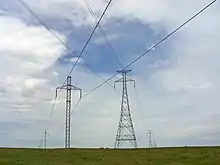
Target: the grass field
pixel 166 156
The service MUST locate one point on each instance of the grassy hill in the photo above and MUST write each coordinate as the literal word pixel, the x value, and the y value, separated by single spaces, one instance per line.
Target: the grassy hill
pixel 163 156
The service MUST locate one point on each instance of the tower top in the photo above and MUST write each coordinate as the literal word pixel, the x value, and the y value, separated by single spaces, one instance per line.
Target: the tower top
pixel 124 71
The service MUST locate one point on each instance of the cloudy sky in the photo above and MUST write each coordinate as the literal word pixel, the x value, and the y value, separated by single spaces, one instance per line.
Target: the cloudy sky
pixel 177 84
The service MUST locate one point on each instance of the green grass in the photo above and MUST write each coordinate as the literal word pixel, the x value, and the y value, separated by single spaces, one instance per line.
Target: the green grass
pixel 166 156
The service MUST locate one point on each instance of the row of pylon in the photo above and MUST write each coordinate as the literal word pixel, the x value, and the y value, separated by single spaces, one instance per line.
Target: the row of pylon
pixel 125 133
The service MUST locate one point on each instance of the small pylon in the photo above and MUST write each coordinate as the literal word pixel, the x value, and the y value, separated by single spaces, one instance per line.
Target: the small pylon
pixel 45 139
pixel 125 131
pixel 69 87
pixel 150 138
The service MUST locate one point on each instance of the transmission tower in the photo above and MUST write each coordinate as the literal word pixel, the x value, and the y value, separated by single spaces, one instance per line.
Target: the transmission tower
pixel 125 131
pixel 69 87
pixel 150 139
pixel 45 139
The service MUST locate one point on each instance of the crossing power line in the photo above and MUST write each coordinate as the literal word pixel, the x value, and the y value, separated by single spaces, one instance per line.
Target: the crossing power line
pixel 147 51
pixel 103 33
pixel 61 41
pixel 57 37
pixel 65 45
pixel 97 25
pixel 154 46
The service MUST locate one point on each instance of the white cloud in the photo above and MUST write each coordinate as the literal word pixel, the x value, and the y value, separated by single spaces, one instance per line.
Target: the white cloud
pixel 36 47
pixel 32 83
pixel 157 12
pixel 25 51
pixel 178 101
pixel 73 10
pixel 75 59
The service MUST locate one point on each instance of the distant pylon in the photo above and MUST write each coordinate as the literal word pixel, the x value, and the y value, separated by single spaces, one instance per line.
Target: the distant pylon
pixel 69 87
pixel 45 139
pixel 150 139
pixel 125 131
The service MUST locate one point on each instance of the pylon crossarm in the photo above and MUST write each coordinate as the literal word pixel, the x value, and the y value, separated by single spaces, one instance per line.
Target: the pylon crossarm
pixel 130 80
pixel 75 88
pixel 58 89
pixel 118 81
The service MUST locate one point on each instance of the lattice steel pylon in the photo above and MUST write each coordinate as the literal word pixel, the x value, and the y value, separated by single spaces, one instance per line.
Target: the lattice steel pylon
pixel 150 132
pixel 125 131
pixel 69 87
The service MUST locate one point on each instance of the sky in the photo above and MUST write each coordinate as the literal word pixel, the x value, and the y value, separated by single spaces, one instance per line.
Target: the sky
pixel 177 84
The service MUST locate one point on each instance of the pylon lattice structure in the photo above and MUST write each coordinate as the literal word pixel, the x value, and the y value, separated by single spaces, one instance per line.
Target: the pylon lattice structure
pixel 125 131
pixel 45 139
pixel 69 87
pixel 150 132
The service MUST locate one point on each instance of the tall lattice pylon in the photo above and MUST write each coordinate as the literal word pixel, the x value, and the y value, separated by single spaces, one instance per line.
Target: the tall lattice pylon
pixel 69 87
pixel 125 133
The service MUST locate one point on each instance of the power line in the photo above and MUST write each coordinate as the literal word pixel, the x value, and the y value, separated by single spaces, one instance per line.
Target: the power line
pixel 91 35
pixel 169 35
pixel 77 104
pixel 86 44
pixel 103 33
pixel 55 35
pixel 45 25
pixel 48 124
pixel 154 46
pixel 98 75
pixel 63 43
pixel 105 37
pixel 150 49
